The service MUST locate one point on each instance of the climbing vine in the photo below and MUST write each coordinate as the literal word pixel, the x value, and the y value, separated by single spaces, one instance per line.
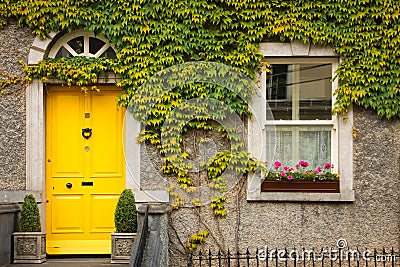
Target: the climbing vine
pixel 196 239
pixel 153 35
pixel 80 71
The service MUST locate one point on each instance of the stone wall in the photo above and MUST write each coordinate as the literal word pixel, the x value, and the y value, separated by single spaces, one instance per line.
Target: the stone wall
pixel 372 220
pixel 14 44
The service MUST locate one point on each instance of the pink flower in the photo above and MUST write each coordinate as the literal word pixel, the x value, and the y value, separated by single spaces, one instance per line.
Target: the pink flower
pixel 317 170
pixel 265 163
pixel 286 168
pixel 283 174
pixel 303 163
pixel 290 178
pixel 291 169
pixel 328 166
pixel 277 164
pixel 297 166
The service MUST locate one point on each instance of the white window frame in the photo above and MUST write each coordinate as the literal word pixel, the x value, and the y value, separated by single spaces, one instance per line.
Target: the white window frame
pixel 63 42
pixel 341 134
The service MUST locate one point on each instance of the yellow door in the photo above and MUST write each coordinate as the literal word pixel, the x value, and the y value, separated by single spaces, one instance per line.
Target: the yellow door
pixel 85 171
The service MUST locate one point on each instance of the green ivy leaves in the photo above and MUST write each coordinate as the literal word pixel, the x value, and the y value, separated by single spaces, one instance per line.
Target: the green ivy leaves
pixel 77 70
pixel 152 35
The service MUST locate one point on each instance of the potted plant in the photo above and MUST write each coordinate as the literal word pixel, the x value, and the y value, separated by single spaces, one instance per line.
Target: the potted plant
pixel 125 219
pixel 29 242
pixel 300 178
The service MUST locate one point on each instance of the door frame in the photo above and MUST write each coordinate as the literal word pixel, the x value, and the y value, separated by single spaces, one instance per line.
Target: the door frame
pixel 36 136
pixel 36 130
pixel 36 146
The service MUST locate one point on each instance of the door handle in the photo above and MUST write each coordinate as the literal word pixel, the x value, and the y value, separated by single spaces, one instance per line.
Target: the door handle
pixel 68 185
pixel 86 133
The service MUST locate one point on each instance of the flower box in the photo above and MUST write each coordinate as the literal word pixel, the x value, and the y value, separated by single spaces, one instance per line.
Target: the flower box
pixel 307 186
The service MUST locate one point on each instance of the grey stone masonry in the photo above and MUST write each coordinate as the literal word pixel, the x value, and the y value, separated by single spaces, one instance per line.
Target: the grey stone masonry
pixel 14 45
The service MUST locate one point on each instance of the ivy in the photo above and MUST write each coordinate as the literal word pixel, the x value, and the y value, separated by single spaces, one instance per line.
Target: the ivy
pixel 196 239
pixel 8 80
pixel 77 70
pixel 152 35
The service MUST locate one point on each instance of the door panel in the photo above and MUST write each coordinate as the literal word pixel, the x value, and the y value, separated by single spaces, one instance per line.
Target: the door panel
pixel 70 220
pixel 107 137
pixel 102 212
pixel 66 108
pixel 84 176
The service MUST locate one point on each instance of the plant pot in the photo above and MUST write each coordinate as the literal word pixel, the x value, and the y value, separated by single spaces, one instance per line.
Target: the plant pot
pixel 319 186
pixel 121 247
pixel 29 247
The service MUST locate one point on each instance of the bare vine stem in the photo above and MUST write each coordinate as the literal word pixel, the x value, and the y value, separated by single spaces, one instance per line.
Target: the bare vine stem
pixel 238 214
pixel 170 222
pixel 221 247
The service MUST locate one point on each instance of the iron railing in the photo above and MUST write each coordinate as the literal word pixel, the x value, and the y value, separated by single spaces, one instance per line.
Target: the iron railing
pixel 139 243
pixel 326 257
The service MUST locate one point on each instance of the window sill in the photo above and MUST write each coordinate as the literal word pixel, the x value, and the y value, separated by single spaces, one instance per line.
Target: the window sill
pixel 344 196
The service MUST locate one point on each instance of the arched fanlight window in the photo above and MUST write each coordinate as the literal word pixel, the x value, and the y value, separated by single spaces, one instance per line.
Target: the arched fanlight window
pixel 82 43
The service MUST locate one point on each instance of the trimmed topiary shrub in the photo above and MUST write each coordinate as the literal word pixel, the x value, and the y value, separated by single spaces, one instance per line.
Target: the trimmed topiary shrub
pixel 125 216
pixel 30 218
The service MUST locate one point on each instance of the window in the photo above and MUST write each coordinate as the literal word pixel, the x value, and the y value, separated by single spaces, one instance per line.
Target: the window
pixel 82 43
pixel 294 120
pixel 299 96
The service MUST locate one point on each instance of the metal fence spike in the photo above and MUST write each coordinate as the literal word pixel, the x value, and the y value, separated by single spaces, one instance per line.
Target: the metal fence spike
pixel 274 258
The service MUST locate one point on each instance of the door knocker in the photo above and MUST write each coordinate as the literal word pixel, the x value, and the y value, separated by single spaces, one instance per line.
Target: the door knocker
pixel 86 133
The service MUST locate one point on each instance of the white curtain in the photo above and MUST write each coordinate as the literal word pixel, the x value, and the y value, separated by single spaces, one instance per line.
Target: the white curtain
pixel 290 144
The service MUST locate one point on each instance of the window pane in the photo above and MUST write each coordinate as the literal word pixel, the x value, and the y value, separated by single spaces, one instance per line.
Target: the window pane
pixel 300 91
pixel 95 45
pixel 278 92
pixel 62 52
pixel 109 53
pixel 315 146
pixel 290 144
pixel 77 44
